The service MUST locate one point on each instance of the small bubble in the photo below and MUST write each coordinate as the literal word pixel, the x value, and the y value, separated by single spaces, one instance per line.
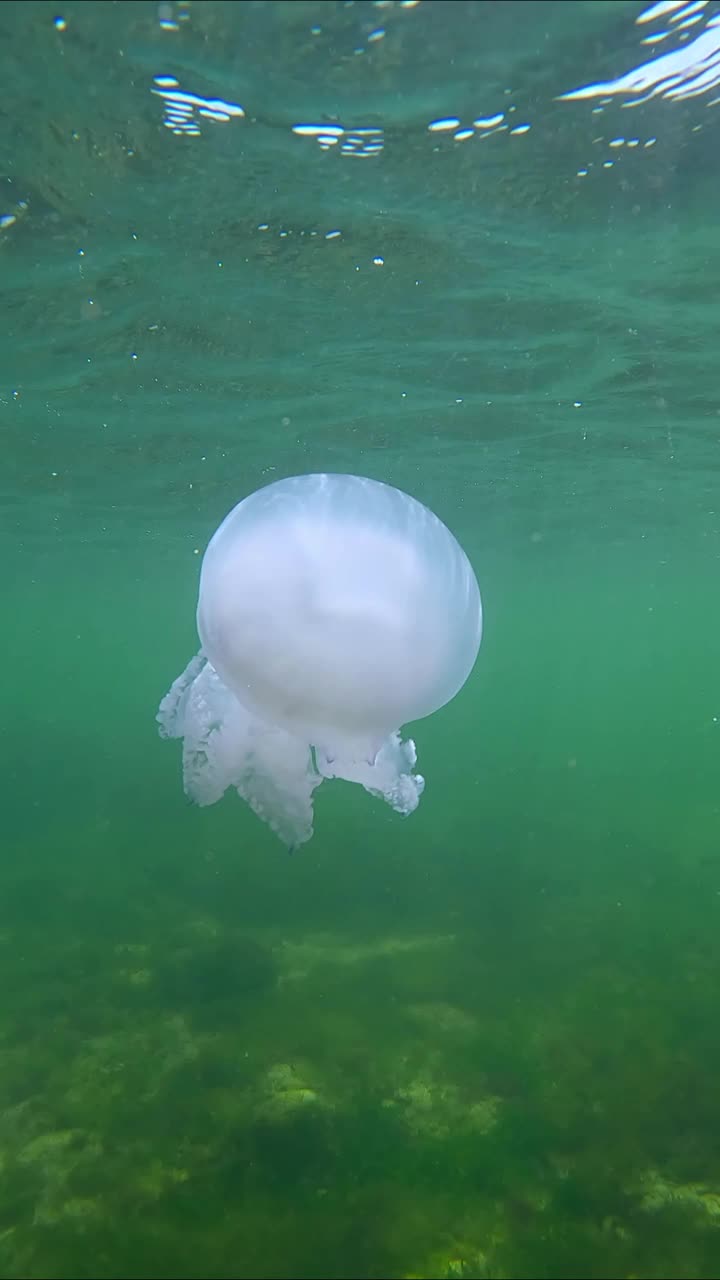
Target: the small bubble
pixel 60 24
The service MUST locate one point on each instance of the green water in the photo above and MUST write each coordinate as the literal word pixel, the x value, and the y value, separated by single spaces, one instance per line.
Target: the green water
pixel 481 1041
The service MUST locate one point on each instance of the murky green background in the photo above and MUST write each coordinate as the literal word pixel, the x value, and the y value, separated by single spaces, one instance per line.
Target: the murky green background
pixel 482 1042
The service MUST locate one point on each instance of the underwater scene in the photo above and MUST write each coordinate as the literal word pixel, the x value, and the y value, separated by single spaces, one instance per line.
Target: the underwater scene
pixel 360 854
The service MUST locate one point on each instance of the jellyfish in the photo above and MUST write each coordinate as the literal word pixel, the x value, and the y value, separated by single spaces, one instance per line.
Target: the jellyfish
pixel 333 610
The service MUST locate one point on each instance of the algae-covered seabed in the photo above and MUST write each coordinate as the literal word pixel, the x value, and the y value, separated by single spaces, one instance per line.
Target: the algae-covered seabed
pixel 482 1041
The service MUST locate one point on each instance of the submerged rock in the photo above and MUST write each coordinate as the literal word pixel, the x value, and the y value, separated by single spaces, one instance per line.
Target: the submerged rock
pixel 285 1091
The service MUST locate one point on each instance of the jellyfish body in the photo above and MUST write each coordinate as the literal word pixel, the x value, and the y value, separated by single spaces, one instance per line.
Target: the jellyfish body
pixel 332 610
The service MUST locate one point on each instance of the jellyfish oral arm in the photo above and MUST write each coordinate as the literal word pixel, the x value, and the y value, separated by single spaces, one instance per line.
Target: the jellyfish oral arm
pixel 274 772
pixel 389 776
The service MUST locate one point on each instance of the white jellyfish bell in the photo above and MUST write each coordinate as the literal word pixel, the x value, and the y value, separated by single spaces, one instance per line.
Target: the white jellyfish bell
pixel 332 611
